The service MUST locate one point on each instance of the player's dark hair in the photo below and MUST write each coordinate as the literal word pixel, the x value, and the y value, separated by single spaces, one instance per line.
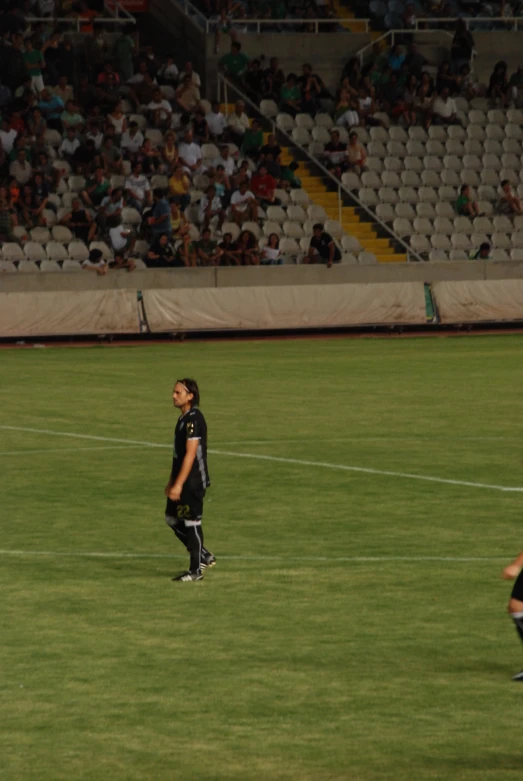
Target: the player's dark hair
pixel 192 387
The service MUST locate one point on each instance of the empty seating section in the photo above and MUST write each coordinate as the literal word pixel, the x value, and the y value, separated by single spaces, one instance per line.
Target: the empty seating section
pixel 413 177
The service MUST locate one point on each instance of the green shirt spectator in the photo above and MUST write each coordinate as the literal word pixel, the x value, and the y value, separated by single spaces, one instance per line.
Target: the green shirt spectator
pixel 34 59
pixel 252 139
pixel 235 62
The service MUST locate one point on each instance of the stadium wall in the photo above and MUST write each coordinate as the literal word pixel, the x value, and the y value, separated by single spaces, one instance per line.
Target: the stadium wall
pixel 257 298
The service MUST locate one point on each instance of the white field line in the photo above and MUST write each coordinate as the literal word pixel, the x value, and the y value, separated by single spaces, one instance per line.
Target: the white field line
pixel 282 460
pixel 390 439
pixel 312 559
pixel 67 450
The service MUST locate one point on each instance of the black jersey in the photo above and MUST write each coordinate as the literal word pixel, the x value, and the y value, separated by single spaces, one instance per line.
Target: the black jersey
pixel 192 425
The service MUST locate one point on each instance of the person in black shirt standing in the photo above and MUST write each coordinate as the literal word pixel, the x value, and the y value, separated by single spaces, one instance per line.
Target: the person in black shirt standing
pixel 322 248
pixel 189 479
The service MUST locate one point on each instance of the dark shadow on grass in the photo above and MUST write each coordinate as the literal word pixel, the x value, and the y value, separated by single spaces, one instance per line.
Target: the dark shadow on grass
pixel 477 761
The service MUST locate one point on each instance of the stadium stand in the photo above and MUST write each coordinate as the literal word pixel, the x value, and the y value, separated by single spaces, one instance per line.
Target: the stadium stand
pixel 408 159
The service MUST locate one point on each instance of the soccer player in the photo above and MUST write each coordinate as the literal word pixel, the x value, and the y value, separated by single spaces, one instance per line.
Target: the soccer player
pixel 515 605
pixel 189 479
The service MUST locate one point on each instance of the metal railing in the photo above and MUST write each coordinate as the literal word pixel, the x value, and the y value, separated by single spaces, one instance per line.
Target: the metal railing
pixel 257 25
pixel 121 16
pixel 227 85
pixel 419 24
pixel 391 34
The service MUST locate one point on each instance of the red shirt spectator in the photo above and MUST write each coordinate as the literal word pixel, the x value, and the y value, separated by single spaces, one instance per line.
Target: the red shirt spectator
pixel 263 185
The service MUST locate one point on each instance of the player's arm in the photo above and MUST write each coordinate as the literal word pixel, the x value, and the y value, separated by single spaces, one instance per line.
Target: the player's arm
pixel 190 454
pixel 512 571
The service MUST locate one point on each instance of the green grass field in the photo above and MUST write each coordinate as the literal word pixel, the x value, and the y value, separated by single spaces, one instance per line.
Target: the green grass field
pixel 354 628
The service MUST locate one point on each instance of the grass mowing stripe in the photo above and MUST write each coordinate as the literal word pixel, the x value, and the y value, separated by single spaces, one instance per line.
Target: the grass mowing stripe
pixel 66 450
pixel 283 460
pixel 309 559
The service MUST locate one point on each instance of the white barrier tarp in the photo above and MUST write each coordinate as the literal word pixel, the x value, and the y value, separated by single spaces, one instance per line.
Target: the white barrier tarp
pixel 298 306
pixel 69 312
pixel 477 301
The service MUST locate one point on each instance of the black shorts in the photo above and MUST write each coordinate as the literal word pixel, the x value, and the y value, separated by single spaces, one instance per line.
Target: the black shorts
pixel 190 506
pixel 517 591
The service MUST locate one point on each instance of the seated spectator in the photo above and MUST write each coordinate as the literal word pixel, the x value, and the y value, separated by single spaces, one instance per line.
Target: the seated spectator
pixel 188 70
pixel 231 253
pixel 187 95
pixel 79 222
pixel 69 145
pixel 52 108
pixel 85 157
pixel 63 90
pixel 186 253
pixel 36 124
pixel 211 207
pixel 322 248
pixel 21 169
pixel 273 80
pixel 96 188
pixel 270 148
pixel 7 136
pixel 50 174
pixel 242 175
pixel 288 176
pixel 160 218
pixel 71 117
pixel 168 72
pixel 415 61
pixel 409 102
pixel 508 202
pixel 483 253
pixel 290 96
pixel 200 127
pixel 216 121
pixel 137 189
pixel 121 239
pixel 95 134
pixel 179 186
pixel 121 262
pixel 396 57
pixel 111 206
pixel 35 63
pixel 356 154
pixel 208 252
pixel 498 85
pixel 7 221
pixel 190 154
pixel 367 108
pixel 346 113
pixel 234 64
pixel 335 155
pixel 464 205
pixel 160 111
pixel 248 249
pixel 85 94
pixel 41 192
pixel 444 110
pixel 96 263
pixel 225 159
pixel 169 152
pixel 142 93
pixel 423 105
pixel 515 85
pixel 149 157
pixel 29 210
pixel 131 141
pixel 263 186
pixel 445 78
pixel 118 120
pixel 139 75
pixel 243 205
pixel 271 253
pixel 312 90
pixel 254 79
pixel 238 122
pixel 124 48
pixel 111 156
pixel 179 225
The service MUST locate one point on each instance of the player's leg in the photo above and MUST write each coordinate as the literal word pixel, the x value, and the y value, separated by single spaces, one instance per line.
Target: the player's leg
pixel 515 609
pixel 172 519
